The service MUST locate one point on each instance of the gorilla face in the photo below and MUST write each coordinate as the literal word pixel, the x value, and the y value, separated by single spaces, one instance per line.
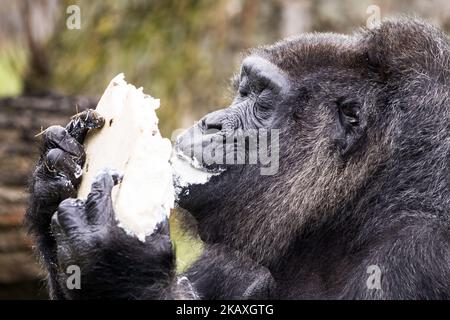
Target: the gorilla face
pixel 224 142
pixel 336 108
pixel 319 111
pixel 260 89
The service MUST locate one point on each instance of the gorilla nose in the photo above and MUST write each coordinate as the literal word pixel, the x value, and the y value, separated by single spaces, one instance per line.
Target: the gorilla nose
pixel 212 121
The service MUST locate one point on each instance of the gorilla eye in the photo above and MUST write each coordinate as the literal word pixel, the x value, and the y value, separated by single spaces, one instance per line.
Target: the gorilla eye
pixel 265 100
pixel 349 111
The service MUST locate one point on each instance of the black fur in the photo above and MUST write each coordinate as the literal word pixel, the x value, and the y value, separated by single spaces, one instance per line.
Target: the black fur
pixel 363 180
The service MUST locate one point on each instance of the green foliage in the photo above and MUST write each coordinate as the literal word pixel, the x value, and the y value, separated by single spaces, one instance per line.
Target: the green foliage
pixel 163 46
pixel 187 247
pixel 11 64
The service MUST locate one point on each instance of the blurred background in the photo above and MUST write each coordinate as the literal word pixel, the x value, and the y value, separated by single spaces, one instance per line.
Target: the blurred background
pixel 56 59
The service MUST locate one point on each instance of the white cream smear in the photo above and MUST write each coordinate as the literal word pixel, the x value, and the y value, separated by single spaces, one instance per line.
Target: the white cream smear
pixel 187 172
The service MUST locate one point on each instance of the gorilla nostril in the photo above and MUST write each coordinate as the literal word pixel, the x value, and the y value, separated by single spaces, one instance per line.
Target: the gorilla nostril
pixel 213 125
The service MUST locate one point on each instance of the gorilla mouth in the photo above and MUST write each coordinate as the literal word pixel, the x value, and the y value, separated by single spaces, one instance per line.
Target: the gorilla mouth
pixel 189 171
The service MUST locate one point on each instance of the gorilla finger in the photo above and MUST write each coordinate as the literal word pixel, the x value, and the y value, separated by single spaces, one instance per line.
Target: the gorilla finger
pixel 162 228
pixel 56 227
pixel 58 137
pixel 59 163
pixel 161 235
pixel 51 191
pixel 82 122
pixel 70 217
pixel 62 241
pixel 99 208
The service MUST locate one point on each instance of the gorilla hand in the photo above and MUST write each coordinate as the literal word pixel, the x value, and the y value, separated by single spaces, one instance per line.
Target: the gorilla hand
pixel 112 264
pixel 55 178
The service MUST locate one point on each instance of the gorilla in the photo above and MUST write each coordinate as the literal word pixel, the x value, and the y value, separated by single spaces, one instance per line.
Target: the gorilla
pixel 359 207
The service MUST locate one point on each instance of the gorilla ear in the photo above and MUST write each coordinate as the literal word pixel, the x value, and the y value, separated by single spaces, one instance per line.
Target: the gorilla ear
pixel 351 125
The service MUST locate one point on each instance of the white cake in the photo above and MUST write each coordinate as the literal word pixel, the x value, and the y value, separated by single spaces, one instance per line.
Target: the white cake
pixel 131 143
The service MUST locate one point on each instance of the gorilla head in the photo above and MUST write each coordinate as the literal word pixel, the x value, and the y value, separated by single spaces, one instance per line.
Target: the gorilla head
pixel 363 129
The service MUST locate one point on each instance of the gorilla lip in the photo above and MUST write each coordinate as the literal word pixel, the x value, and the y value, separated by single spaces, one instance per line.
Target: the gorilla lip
pixel 188 171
